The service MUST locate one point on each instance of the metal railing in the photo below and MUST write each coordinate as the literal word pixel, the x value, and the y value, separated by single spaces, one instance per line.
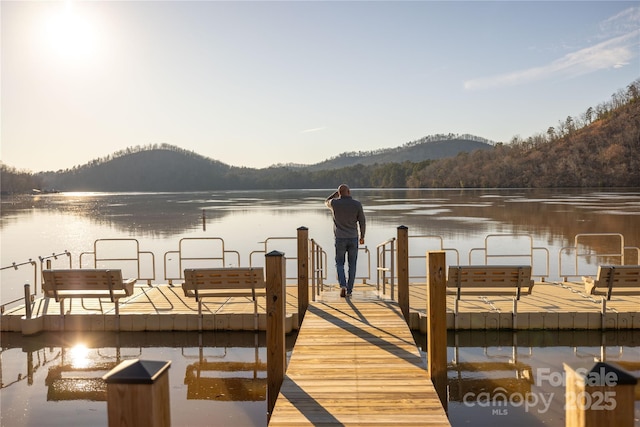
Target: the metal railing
pixel 98 258
pixel 366 277
pixel 529 255
pixel 590 253
pixel 288 259
pixel 220 258
pixel 424 255
pixel 318 267
pixel 49 258
pixel 386 259
pixel 29 297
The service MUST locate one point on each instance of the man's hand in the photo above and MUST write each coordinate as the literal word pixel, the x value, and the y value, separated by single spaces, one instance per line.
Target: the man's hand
pixel 362 241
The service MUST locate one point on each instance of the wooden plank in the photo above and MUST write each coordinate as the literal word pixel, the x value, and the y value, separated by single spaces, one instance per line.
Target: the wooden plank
pixel 356 364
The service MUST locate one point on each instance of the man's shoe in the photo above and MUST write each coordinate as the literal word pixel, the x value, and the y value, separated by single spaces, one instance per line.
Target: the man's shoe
pixel 348 294
pixel 343 292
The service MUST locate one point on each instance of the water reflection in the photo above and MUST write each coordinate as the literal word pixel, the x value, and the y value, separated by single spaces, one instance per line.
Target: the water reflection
pixel 551 212
pixel 502 378
pixel 78 374
pixel 227 368
pixel 220 378
pixel 492 377
pixel 214 377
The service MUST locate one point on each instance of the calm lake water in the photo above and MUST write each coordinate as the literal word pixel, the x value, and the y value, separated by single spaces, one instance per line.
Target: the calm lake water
pixel 44 375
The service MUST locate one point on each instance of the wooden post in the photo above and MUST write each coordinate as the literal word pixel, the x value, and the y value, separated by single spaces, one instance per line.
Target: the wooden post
pixel 600 396
pixel 138 394
pixel 403 270
pixel 276 350
pixel 437 323
pixel 27 301
pixel 303 272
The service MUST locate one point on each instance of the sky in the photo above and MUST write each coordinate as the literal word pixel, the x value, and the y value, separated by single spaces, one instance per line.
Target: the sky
pixel 269 82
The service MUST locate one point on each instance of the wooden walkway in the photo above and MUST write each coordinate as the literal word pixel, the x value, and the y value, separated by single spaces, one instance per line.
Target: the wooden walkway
pixel 552 305
pixel 355 363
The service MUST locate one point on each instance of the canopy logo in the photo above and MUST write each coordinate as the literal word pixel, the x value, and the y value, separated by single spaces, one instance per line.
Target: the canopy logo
pixel 499 400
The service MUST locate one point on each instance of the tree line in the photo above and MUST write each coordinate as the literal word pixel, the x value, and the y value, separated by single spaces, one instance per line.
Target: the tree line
pixel 600 148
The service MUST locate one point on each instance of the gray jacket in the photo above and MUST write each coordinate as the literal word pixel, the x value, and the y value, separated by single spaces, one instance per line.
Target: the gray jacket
pixel 347 216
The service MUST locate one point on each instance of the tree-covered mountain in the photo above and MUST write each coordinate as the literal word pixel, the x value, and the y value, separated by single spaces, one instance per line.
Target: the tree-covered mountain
pixel 601 148
pixel 428 148
pixel 169 168
pixel 155 168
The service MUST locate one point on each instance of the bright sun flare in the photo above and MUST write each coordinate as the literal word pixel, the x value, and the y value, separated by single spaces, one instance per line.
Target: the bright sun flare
pixel 69 34
pixel 79 356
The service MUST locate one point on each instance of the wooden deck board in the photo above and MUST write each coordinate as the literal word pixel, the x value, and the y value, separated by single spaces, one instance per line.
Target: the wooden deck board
pixel 356 364
pixel 552 305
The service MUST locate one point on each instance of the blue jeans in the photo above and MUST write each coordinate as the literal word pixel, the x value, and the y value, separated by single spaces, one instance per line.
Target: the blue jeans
pixel 348 247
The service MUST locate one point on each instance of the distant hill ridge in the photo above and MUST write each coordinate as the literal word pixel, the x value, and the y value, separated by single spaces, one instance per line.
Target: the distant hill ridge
pixel 166 167
pixel 428 148
pixel 600 148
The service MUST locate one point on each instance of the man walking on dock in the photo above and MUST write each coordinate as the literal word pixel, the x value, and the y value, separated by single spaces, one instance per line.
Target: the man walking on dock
pixel 348 217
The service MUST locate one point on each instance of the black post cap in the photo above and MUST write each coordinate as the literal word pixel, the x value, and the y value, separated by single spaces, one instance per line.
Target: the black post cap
pixel 136 371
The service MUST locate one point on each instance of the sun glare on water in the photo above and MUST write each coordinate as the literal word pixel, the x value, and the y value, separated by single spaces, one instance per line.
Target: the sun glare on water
pixel 79 356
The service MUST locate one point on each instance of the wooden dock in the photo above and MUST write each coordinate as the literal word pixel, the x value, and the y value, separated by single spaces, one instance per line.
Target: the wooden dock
pixel 162 307
pixel 355 363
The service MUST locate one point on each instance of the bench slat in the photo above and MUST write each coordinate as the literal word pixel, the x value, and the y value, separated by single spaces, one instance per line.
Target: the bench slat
pixel 494 279
pixel 219 279
pixel 202 283
pixel 612 277
pixel 86 283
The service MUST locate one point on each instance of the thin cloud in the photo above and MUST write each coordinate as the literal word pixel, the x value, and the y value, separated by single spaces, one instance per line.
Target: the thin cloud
pixel 627 20
pixel 313 130
pixel 613 53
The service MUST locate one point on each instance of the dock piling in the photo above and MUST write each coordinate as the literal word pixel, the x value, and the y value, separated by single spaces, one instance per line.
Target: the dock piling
pixel 437 323
pixel 601 395
pixel 276 350
pixel 27 300
pixel 138 394
pixel 303 272
pixel 403 270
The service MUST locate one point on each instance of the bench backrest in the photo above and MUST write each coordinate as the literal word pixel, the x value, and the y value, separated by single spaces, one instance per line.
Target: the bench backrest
pixel 516 277
pixel 611 277
pixel 618 276
pixel 82 280
pixel 489 276
pixel 223 279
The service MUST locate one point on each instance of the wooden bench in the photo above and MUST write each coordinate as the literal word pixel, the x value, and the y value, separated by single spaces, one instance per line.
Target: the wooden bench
pixel 202 283
pixel 612 277
pixel 86 283
pixel 490 279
